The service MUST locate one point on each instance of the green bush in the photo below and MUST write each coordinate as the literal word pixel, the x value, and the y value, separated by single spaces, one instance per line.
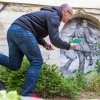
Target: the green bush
pixel 93 81
pixel 50 82
pixel 14 79
pixel 97 66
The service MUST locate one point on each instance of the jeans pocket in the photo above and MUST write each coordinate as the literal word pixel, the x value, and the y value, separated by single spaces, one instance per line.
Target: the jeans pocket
pixel 17 34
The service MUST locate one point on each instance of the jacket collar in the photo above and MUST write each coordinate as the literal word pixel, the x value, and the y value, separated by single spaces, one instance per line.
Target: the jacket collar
pixel 54 8
pixel 58 9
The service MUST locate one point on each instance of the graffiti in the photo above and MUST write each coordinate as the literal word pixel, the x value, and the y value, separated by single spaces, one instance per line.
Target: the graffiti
pixel 85 51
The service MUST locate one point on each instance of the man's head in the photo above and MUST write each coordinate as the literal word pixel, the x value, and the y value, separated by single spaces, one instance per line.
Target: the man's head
pixel 67 12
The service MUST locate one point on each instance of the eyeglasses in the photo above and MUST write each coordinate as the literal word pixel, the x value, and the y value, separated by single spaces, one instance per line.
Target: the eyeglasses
pixel 69 12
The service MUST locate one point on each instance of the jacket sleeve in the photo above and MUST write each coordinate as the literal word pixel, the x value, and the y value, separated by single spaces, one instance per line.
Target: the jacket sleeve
pixel 42 42
pixel 53 31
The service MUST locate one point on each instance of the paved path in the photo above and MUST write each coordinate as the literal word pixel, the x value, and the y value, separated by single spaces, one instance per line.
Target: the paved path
pixel 31 98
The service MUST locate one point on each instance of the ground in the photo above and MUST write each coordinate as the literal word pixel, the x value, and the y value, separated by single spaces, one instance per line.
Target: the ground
pixel 85 95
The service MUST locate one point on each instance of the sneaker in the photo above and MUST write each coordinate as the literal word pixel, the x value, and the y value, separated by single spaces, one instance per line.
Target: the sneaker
pixel 34 95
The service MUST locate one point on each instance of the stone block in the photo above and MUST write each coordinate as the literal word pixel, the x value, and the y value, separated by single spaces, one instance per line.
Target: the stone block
pixel 18 8
pixel 52 62
pixel 4 50
pixel 3 41
pixel 53 54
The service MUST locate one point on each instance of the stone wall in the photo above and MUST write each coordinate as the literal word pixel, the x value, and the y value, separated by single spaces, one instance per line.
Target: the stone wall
pixel 8 15
pixel 14 10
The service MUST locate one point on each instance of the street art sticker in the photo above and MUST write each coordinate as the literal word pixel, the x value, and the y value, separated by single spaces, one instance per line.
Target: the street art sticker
pixel 84 56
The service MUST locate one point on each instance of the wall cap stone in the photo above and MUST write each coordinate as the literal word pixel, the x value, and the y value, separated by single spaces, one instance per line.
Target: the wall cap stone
pixel 73 3
pixel 84 14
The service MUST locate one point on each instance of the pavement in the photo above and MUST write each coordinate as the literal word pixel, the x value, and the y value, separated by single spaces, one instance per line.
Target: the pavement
pixel 31 98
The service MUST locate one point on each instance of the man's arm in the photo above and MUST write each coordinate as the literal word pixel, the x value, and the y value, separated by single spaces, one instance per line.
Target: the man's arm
pixel 53 30
pixel 45 44
pixel 42 42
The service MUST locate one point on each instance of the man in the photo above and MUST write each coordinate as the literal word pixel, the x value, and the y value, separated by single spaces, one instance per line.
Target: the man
pixel 26 33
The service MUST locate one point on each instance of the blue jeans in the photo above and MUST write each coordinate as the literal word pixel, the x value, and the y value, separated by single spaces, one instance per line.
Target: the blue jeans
pixel 23 42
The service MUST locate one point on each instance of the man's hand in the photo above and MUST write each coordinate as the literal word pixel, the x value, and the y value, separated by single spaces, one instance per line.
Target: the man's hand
pixel 73 45
pixel 48 47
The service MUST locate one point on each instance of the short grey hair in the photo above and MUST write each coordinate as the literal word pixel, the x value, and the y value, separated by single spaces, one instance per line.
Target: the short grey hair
pixel 65 6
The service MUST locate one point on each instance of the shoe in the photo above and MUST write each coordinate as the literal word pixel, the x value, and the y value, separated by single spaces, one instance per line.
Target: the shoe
pixel 35 96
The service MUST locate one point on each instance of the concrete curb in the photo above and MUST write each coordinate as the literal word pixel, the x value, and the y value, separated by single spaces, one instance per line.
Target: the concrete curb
pixel 31 98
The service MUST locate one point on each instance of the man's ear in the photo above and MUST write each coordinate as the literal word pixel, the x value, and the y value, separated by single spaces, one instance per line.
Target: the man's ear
pixel 65 12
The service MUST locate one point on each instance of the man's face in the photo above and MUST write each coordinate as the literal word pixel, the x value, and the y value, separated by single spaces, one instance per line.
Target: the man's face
pixel 67 15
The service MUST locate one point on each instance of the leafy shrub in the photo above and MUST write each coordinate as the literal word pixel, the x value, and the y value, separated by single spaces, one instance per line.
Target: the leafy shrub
pixel 93 81
pixel 97 67
pixel 14 79
pixel 50 82
pixel 11 95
